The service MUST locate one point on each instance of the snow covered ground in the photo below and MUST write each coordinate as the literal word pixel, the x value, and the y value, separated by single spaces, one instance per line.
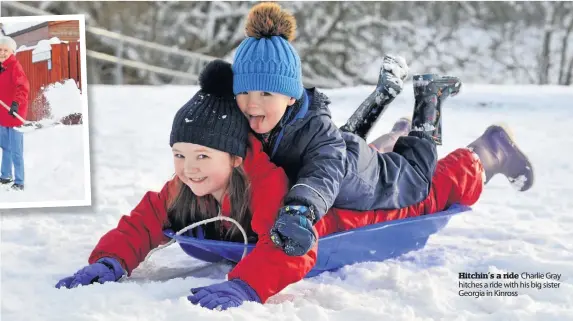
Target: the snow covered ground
pixel 507 231
pixel 56 158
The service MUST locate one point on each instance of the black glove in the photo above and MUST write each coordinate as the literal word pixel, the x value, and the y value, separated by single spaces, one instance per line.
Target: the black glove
pixel 13 109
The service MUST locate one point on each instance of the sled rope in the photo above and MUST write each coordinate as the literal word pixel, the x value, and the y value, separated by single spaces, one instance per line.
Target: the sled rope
pixel 194 225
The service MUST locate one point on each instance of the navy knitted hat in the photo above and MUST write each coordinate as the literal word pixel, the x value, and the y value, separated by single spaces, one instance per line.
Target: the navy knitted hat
pixel 212 118
pixel 265 60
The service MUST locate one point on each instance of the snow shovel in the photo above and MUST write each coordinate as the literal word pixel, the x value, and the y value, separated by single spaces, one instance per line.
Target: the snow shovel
pixel 27 126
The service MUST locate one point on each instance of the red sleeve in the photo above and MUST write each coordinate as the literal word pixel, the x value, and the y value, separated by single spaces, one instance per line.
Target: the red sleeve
pixel 138 233
pixel 267 269
pixel 21 88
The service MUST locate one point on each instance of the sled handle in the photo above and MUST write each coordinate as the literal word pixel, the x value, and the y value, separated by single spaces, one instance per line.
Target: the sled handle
pixel 209 220
pixel 15 114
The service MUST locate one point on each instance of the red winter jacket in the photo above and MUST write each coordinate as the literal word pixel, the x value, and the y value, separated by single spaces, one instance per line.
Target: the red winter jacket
pixel 14 86
pixel 267 269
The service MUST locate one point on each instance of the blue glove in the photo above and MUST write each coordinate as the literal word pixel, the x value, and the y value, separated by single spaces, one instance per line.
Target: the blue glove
pixel 222 296
pixel 293 231
pixel 104 270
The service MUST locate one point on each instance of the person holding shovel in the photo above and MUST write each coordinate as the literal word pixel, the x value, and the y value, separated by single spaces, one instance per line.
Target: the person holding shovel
pixel 14 91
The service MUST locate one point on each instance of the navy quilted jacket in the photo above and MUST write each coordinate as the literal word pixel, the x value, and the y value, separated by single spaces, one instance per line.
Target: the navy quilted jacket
pixel 329 168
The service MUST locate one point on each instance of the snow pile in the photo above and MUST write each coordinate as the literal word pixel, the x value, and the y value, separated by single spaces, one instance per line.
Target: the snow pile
pixel 55 41
pixel 64 99
pixel 507 231
pixel 55 170
pixel 42 46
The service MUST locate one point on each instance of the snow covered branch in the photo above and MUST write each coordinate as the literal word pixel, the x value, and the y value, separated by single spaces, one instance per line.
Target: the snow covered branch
pixel 343 43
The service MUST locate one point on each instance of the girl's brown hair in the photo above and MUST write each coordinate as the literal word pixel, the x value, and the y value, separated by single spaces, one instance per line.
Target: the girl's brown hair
pixel 187 208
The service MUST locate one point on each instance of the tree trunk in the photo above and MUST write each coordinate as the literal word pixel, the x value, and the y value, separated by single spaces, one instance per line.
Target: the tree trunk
pixel 564 47
pixel 569 77
pixel 552 10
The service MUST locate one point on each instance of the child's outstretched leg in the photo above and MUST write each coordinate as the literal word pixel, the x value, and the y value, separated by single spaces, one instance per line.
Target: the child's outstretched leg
pixel 458 179
pixel 390 83
pixel 499 154
pixel 385 143
pixel 460 176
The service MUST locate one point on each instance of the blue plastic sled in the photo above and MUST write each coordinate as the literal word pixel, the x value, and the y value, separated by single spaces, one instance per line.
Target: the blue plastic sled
pixel 377 242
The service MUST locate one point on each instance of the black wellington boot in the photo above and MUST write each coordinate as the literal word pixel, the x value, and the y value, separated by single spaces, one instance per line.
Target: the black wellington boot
pixel 390 83
pixel 430 92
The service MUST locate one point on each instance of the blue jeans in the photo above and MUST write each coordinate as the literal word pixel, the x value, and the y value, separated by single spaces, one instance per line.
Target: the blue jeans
pixel 12 144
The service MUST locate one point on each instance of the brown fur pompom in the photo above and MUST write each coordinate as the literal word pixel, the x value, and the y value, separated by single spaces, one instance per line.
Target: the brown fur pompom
pixel 269 19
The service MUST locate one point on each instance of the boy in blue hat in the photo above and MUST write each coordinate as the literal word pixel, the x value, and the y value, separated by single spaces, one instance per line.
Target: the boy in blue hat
pixel 299 135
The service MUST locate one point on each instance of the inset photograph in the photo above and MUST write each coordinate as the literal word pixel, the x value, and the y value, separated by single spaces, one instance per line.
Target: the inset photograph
pixel 44 132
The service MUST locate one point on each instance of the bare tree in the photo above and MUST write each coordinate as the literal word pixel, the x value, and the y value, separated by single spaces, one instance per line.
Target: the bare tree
pixel 343 43
pixel 565 69
pixel 551 10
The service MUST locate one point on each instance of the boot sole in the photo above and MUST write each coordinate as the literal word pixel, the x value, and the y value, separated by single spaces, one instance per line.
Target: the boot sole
pixel 405 69
pixel 505 128
pixel 449 80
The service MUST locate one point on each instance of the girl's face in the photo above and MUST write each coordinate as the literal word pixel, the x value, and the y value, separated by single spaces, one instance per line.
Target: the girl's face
pixel 5 52
pixel 263 109
pixel 205 170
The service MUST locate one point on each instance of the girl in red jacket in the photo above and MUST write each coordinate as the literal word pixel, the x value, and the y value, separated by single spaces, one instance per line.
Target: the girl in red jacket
pixel 14 91
pixel 221 169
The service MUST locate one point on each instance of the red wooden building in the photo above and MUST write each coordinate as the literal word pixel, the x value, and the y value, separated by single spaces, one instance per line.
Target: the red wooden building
pixel 65 30
pixel 46 64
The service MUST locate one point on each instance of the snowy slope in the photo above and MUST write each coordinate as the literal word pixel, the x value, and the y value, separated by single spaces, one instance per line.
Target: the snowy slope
pixel 506 231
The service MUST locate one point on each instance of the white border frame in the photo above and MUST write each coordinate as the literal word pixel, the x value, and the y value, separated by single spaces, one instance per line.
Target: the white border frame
pixel 87 201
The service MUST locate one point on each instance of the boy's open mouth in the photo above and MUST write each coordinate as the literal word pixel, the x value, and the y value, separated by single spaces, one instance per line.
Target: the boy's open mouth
pixel 198 180
pixel 255 120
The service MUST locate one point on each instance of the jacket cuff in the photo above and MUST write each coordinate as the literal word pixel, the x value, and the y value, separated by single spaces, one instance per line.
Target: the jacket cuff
pixel 251 293
pixel 102 255
pixel 114 265
pixel 302 194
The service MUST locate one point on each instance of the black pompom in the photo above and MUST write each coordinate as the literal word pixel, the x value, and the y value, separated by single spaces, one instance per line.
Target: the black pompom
pixel 217 78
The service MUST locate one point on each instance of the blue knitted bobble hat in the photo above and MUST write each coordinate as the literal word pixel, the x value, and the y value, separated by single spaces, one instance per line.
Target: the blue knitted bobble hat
pixel 265 60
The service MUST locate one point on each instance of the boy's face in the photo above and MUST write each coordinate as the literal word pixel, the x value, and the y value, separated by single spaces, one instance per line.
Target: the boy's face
pixel 263 109
pixel 205 170
pixel 5 52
